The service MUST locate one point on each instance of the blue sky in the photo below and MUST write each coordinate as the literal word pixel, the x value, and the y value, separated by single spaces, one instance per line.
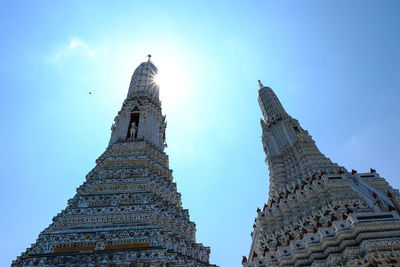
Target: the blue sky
pixel 335 65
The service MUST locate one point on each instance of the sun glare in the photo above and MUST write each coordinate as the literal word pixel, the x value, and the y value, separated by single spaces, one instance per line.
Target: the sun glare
pixel 157 79
pixel 171 77
pixel 176 69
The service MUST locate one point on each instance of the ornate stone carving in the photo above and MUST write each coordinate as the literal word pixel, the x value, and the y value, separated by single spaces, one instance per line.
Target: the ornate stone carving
pixel 318 214
pixel 128 210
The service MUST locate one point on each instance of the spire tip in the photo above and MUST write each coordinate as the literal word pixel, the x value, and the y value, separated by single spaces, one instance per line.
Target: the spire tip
pixel 260 84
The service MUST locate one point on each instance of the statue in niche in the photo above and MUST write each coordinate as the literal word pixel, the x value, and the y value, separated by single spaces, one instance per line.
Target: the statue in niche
pixel 133 130
pixel 301 137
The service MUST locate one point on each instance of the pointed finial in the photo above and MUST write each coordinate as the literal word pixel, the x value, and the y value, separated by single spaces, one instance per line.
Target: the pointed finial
pixel 260 84
pixel 149 56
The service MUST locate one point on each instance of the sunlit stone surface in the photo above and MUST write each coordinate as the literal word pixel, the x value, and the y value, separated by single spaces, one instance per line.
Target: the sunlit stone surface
pixel 128 211
pixel 318 213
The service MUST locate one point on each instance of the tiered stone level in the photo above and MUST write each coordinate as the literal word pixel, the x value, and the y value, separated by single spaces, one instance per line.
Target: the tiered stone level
pixel 128 211
pixel 318 214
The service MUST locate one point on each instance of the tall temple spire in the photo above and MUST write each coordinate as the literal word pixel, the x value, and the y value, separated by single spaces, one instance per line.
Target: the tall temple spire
pixel 317 213
pixel 128 211
pixel 291 152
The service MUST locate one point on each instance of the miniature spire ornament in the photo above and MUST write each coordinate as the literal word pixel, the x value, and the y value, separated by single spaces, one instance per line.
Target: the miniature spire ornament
pixel 128 211
pixel 318 213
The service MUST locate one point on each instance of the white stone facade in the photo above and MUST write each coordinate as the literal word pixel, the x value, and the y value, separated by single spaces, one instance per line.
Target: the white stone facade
pixel 128 211
pixel 317 213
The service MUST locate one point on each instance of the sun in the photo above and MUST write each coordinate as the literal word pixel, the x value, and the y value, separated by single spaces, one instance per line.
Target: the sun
pixel 157 80
pixel 171 77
